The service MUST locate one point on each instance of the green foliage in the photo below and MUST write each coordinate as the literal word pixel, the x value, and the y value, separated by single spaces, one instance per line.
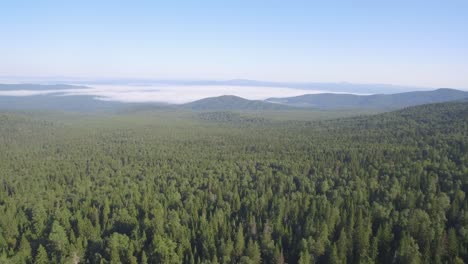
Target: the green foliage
pixel 164 187
pixel 41 256
pixel 408 251
pixel 58 239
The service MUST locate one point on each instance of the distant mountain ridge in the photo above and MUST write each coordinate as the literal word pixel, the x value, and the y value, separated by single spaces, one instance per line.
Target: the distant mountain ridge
pixel 44 97
pixel 51 102
pixel 376 101
pixel 344 87
pixel 37 87
pixel 231 102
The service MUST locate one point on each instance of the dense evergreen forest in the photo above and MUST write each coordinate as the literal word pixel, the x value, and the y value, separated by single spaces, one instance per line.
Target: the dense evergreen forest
pixel 225 187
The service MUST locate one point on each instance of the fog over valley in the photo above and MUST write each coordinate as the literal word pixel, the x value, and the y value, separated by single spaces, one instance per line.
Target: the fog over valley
pixel 173 94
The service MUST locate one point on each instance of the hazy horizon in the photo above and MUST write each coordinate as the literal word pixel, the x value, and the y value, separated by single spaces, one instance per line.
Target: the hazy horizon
pixel 180 93
pixel 414 44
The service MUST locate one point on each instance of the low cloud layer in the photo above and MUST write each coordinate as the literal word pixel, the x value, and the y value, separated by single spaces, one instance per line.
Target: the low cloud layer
pixel 172 94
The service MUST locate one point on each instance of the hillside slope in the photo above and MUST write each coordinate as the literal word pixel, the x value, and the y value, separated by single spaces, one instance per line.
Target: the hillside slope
pixel 231 102
pixel 377 101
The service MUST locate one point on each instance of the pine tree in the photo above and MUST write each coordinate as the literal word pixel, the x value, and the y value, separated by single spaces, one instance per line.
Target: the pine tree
pixel 253 252
pixel 41 256
pixel 25 249
pixel 279 257
pixel 408 251
pixel 452 243
pixel 240 242
pixel 58 238
pixel 305 257
pixel 333 255
pixel 144 258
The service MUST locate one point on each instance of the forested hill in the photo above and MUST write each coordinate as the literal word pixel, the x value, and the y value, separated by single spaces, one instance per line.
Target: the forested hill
pixel 377 101
pixel 167 188
pixel 412 122
pixel 231 102
pixel 70 98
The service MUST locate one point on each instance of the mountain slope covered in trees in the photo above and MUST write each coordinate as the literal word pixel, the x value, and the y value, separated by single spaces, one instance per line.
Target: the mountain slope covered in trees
pixel 376 101
pixel 168 188
pixel 231 102
pixel 62 98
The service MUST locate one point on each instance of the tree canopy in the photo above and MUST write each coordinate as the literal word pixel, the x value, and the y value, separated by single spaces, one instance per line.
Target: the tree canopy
pixel 175 188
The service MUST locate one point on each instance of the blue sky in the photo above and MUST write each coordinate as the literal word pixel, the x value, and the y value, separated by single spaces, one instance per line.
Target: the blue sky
pixel 419 43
